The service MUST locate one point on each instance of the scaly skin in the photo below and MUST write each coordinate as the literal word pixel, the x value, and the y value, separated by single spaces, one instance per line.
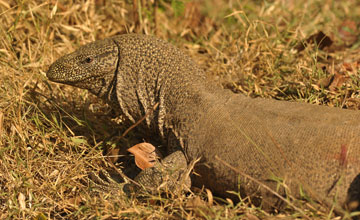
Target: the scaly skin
pixel 312 147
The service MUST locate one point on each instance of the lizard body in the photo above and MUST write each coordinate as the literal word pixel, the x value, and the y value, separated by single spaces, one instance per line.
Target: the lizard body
pixel 314 148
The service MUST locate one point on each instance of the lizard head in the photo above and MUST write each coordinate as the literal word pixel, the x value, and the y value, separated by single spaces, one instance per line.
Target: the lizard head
pixel 91 67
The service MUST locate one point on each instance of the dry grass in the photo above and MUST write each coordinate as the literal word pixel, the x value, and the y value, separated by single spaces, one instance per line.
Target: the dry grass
pixel 51 135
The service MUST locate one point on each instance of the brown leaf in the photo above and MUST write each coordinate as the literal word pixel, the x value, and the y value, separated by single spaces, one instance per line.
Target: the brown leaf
pixel 325 82
pixel 113 154
pixel 192 16
pixel 353 103
pixel 145 155
pixel 320 39
pixel 353 205
pixel 337 81
pixel 348 32
pixel 195 202
pixel 353 66
pixel 200 208
pixel 210 197
pixel 194 21
pixel 74 201
pixel 251 217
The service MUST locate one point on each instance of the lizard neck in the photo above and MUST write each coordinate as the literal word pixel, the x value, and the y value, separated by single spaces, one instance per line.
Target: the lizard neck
pixel 151 72
pixel 105 88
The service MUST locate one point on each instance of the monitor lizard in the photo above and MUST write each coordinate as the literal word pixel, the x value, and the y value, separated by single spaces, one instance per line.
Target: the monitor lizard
pixel 308 148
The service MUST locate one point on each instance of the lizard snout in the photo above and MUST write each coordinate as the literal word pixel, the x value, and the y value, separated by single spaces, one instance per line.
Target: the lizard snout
pixel 57 72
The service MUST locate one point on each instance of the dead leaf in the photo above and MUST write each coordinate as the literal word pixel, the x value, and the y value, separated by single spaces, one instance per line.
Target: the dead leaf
pixel 231 203
pixel 210 197
pixel 192 15
pixel 353 103
pixel 54 173
pixel 200 208
pixel 348 32
pixel 353 205
pixel 113 154
pixel 21 199
pixel 195 202
pixel 74 201
pixel 325 82
pixel 194 21
pixel 251 217
pixel 145 155
pixel 320 39
pixel 353 66
pixel 337 81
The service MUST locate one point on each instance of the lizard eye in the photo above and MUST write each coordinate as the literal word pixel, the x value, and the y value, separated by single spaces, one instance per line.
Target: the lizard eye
pixel 88 59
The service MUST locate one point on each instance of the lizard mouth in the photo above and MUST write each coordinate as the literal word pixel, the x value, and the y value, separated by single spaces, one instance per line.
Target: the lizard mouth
pixel 74 81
